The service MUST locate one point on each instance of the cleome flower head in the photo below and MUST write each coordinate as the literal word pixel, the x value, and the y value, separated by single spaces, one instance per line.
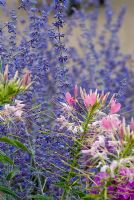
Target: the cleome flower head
pixel 93 98
pixel 106 142
pixel 90 100
pixel 10 88
pixel 110 122
pixel 12 111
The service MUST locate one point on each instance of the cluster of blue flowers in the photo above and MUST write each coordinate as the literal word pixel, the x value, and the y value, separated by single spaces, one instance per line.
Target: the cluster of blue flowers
pixel 43 49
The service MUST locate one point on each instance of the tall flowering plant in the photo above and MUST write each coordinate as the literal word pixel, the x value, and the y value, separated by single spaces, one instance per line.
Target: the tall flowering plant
pixel 101 157
pixel 11 110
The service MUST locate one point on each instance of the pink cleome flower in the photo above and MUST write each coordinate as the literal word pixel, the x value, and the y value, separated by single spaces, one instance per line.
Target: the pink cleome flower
pixel 90 100
pixel 110 122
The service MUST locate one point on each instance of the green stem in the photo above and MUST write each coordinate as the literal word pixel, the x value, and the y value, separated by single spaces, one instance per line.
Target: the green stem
pixel 69 175
pixel 75 160
pixel 105 193
pixel 127 149
pixel 33 163
pixel 64 195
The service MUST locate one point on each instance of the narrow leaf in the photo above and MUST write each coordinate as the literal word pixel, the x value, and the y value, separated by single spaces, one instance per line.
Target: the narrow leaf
pixel 41 197
pixel 4 158
pixel 7 191
pixel 11 175
pixel 15 143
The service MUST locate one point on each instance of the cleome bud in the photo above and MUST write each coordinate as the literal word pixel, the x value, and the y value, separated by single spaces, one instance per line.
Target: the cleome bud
pixel 6 74
pixel 26 79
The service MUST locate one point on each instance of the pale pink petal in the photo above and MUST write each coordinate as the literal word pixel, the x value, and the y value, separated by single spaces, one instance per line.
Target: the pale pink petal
pixel 110 122
pixel 86 101
pixel 68 96
pixel 6 73
pixel 18 113
pixel 106 123
pixel 85 151
pixel 132 124
pixel 114 107
pixel 115 121
pixel 76 91
pixel 121 131
pixel 70 100
pixel 26 78
pixel 92 99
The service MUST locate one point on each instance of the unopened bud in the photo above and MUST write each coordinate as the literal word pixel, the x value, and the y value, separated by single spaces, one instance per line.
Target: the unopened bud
pixel 26 78
pixel 6 73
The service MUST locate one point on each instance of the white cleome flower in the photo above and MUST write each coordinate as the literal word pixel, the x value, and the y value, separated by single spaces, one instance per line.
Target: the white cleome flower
pixel 11 111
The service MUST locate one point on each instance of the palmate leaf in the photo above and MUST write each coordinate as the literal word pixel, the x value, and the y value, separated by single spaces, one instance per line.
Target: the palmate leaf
pixel 6 190
pixel 15 143
pixel 41 197
pixel 4 158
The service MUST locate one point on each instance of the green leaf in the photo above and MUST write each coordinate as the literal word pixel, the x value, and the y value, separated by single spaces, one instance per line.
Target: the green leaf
pixel 84 196
pixel 45 132
pixel 128 149
pixel 76 182
pixel 41 197
pixel 15 143
pixel 6 190
pixel 78 192
pixel 62 185
pixel 11 175
pixel 72 174
pixel 4 158
pixel 91 196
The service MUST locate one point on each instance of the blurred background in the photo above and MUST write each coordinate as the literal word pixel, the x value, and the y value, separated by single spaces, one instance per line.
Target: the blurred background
pixel 126 32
